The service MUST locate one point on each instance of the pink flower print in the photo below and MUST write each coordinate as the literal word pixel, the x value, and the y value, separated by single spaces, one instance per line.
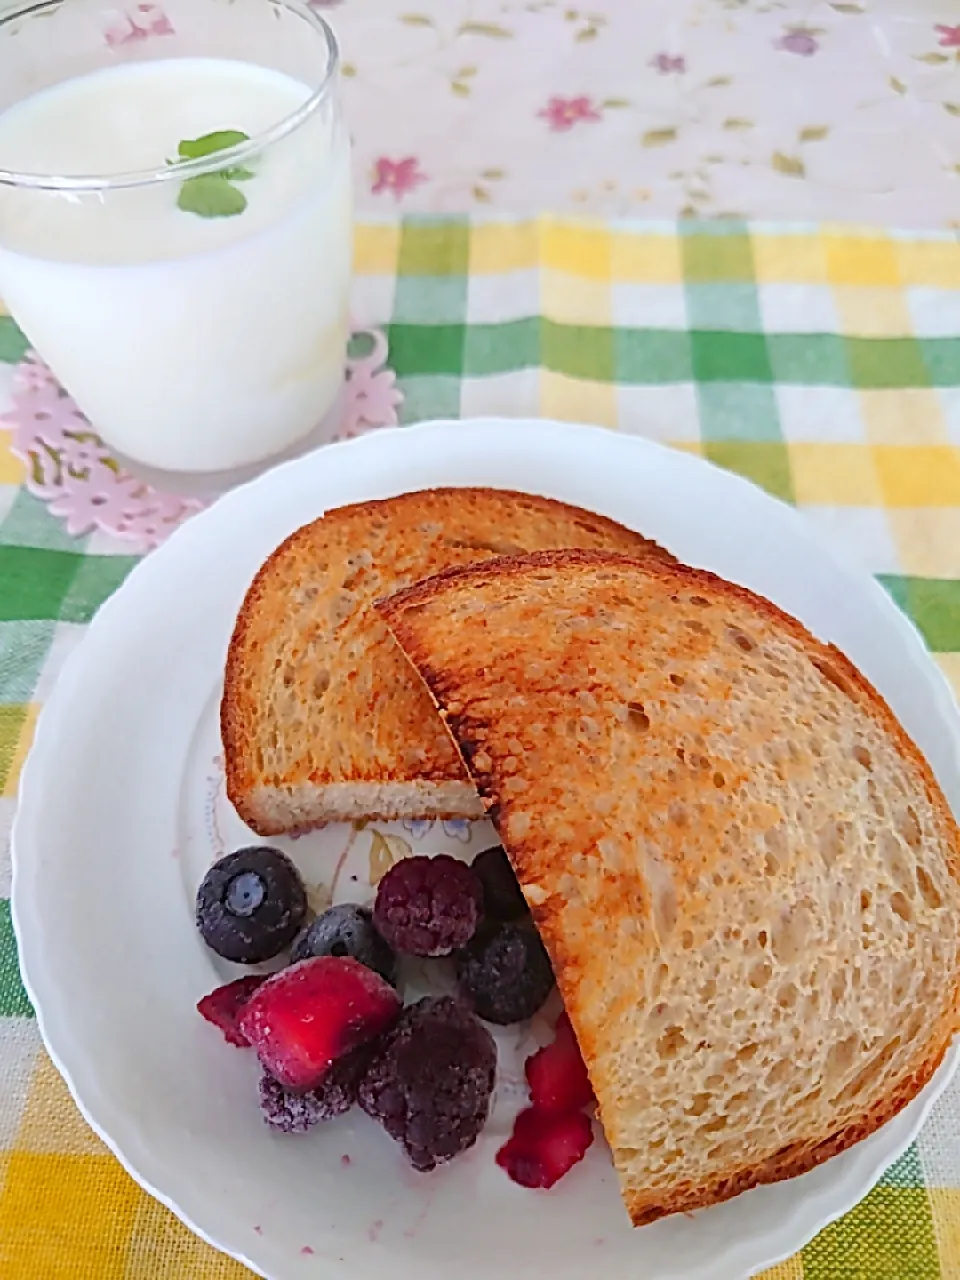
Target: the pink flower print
pixel 563 113
pixel 372 397
pixel 80 503
pixel 798 41
pixel 398 176
pixel 949 36
pixel 371 401
pixel 669 64
pixel 32 384
pixel 69 467
pixel 81 453
pixel 34 380
pixel 158 24
pixel 120 504
pixel 146 21
pixel 31 375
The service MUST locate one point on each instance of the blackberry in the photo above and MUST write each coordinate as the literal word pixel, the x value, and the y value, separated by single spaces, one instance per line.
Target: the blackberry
pixel 430 1081
pixel 505 973
pixel 502 896
pixel 428 906
pixel 251 904
pixel 347 930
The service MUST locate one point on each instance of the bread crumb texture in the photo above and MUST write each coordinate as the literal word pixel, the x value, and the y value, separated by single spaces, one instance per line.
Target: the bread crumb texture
pixel 744 871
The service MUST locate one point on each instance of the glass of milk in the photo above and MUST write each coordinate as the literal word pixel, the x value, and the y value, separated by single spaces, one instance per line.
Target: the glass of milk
pixel 176 224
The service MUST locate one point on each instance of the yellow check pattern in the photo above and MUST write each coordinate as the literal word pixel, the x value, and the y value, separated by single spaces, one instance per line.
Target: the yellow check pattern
pixel 821 362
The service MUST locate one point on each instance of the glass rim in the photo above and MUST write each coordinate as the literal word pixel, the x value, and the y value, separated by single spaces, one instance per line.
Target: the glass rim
pixel 179 170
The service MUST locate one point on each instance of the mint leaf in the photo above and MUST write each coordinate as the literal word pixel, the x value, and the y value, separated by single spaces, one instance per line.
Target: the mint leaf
pixel 239 173
pixel 211 143
pixel 210 195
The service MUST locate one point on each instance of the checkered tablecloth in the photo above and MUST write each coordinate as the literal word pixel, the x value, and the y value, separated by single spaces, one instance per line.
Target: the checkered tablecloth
pixel 823 363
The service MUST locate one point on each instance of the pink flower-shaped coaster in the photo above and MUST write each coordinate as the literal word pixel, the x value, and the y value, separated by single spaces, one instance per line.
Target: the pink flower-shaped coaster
pixel 70 468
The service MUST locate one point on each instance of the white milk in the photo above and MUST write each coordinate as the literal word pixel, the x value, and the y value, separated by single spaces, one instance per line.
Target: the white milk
pixel 191 343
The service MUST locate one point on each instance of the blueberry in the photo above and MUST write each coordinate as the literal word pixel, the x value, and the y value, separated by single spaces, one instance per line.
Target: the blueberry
pixel 505 973
pixel 250 905
pixel 347 930
pixel 502 896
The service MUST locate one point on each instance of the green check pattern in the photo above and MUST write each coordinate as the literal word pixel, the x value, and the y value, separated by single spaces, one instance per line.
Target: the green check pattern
pixel 657 357
pixel 822 363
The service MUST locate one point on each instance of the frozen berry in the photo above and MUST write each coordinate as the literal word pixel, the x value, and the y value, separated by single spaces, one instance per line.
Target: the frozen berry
pixel 545 1146
pixel 428 906
pixel 291 1112
pixel 304 1018
pixel 347 930
pixel 505 973
pixel 251 904
pixel 431 1079
pixel 222 1007
pixel 557 1075
pixel 502 896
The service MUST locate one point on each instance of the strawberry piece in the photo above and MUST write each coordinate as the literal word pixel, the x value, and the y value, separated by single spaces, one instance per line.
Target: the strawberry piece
pixel 223 1007
pixel 545 1146
pixel 557 1075
pixel 304 1018
pixel 563 1026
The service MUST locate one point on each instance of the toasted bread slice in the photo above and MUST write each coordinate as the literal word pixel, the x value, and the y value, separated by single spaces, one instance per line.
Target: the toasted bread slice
pixel 321 718
pixel 743 869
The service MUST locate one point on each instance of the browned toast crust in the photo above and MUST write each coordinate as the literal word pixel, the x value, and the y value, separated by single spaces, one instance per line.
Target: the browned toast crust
pixel 477 708
pixel 842 670
pixel 372 726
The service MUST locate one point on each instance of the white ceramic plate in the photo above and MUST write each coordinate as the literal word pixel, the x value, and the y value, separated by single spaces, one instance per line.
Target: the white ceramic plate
pixel 122 810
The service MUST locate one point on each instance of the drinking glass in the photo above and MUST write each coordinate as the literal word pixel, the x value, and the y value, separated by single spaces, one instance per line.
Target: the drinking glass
pixel 176 224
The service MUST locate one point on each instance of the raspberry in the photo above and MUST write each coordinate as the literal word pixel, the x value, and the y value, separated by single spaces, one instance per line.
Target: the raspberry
pixel 545 1146
pixel 304 1018
pixel 557 1075
pixel 502 896
pixel 430 1081
pixel 505 973
pixel 290 1112
pixel 222 1007
pixel 428 906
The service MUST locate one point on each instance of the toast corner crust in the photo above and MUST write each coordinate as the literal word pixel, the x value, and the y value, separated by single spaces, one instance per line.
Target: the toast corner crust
pixel 791 1162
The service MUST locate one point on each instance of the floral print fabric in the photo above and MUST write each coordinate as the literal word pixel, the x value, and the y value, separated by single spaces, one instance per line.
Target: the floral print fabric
pixel 656 108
